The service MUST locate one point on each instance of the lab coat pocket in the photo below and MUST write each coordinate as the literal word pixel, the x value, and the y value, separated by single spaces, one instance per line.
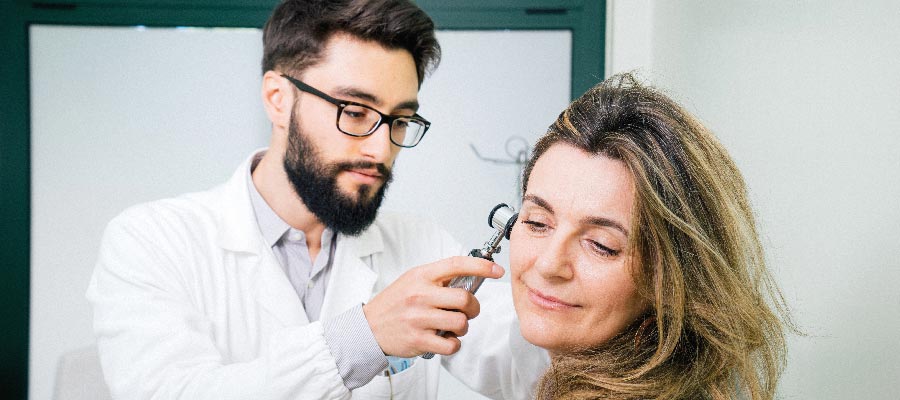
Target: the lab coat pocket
pixel 408 384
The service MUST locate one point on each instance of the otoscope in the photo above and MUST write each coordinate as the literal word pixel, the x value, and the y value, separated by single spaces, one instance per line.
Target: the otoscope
pixel 502 218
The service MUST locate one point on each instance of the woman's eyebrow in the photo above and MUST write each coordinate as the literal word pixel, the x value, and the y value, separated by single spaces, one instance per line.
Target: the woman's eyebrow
pixel 597 221
pixel 538 201
pixel 605 222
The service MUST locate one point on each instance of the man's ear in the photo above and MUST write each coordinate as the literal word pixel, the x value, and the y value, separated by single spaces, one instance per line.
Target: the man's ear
pixel 278 99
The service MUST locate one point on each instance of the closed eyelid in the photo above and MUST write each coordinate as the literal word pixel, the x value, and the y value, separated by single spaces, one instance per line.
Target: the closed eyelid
pixel 535 215
pixel 606 249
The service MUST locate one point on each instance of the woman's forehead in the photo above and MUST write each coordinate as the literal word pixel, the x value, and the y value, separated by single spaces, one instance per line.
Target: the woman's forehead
pixel 571 180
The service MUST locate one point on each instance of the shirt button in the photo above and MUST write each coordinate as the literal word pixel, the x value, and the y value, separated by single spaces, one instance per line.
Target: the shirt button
pixel 310 285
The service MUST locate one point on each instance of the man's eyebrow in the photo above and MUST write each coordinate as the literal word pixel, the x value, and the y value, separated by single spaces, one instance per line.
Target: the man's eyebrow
pixel 357 94
pixel 373 99
pixel 408 105
pixel 598 221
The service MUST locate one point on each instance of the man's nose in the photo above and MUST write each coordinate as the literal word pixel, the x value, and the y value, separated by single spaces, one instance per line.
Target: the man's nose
pixel 377 146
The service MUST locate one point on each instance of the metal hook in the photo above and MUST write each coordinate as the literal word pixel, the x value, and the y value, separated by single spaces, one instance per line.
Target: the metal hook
pixel 489 159
pixel 518 158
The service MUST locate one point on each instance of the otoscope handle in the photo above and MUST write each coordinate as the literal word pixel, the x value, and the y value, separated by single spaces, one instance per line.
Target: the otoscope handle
pixel 469 283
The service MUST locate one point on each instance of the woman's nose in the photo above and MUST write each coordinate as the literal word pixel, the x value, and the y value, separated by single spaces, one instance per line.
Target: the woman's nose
pixel 554 262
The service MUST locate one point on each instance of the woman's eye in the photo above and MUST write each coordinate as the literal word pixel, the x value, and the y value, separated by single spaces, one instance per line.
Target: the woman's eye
pixel 603 250
pixel 535 226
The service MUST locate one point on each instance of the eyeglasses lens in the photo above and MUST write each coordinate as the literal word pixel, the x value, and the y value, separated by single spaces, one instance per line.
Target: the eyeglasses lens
pixel 360 121
pixel 407 132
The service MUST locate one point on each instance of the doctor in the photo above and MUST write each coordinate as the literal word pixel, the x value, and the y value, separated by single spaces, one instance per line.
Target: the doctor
pixel 285 282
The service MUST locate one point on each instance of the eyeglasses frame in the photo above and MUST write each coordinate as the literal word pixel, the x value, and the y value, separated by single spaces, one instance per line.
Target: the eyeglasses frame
pixel 341 104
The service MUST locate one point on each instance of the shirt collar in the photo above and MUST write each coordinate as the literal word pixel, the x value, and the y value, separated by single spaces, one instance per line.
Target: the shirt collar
pixel 270 224
pixel 272 227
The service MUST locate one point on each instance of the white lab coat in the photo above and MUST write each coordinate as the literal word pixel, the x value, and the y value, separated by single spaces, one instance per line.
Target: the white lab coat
pixel 190 303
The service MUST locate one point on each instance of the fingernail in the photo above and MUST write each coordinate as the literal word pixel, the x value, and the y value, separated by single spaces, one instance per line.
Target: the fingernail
pixel 497 270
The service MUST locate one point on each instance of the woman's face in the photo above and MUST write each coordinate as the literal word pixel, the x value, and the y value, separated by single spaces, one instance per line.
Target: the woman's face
pixel 571 273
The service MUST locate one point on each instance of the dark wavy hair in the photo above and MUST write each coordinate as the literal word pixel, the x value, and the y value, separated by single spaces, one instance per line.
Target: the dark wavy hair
pixel 716 321
pixel 295 34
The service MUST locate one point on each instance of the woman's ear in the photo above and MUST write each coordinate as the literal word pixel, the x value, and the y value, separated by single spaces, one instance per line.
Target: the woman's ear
pixel 278 99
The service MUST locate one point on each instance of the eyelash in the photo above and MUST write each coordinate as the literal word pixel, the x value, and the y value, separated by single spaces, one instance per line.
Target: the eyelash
pixel 603 250
pixel 535 226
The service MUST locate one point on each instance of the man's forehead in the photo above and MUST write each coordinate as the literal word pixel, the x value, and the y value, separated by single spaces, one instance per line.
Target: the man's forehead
pixel 365 70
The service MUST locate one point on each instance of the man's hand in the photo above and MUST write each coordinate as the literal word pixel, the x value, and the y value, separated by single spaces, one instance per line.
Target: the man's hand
pixel 406 316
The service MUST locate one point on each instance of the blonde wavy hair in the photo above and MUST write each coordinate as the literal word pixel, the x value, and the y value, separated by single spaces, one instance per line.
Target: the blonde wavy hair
pixel 716 321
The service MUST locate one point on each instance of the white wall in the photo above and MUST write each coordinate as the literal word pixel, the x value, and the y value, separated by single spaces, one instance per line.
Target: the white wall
pixel 125 115
pixel 121 116
pixel 629 35
pixel 806 97
pixel 491 86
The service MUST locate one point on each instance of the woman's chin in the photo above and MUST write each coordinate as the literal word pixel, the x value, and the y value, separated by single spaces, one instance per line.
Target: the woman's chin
pixel 558 338
pixel 543 334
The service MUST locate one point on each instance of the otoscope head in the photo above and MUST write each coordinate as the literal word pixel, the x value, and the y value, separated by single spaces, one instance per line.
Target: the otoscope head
pixel 502 218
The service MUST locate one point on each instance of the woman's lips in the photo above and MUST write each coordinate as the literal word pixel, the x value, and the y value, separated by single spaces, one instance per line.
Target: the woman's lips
pixel 547 302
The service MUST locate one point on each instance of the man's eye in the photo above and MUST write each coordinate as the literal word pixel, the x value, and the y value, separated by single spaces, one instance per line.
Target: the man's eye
pixel 354 114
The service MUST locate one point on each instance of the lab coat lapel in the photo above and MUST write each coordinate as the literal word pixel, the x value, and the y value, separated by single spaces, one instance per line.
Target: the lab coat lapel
pixel 352 275
pixel 240 238
pixel 275 293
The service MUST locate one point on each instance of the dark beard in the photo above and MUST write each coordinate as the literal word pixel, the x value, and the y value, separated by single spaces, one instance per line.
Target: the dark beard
pixel 315 181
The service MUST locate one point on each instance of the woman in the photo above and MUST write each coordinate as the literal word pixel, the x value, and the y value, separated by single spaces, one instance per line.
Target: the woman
pixel 636 261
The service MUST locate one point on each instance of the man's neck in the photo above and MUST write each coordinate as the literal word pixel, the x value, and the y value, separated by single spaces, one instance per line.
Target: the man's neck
pixel 273 185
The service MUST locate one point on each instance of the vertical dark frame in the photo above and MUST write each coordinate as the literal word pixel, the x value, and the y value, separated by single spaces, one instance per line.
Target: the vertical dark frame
pixel 14 204
pixel 584 18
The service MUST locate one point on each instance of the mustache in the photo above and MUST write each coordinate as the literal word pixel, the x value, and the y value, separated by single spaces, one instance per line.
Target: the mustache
pixel 382 169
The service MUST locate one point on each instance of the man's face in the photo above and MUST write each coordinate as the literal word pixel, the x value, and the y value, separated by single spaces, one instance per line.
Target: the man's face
pixel 342 179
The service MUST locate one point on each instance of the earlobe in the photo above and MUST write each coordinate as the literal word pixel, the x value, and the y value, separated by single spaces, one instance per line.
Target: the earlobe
pixel 276 98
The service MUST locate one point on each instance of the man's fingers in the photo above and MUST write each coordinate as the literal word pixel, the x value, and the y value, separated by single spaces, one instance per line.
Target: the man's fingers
pixel 405 316
pixel 451 321
pixel 449 268
pixel 456 299
pixel 444 346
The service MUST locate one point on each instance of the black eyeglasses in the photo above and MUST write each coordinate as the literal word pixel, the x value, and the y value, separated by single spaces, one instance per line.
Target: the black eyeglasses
pixel 359 120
